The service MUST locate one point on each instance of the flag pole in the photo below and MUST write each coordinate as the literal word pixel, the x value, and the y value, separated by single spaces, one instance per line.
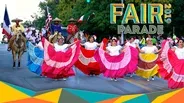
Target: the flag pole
pixel 122 34
pixel 174 30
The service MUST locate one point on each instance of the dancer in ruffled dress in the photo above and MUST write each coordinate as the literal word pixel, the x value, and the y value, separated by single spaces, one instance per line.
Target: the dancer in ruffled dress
pixel 131 42
pixel 86 62
pixel 35 58
pixel 115 61
pixel 134 45
pixel 59 58
pixel 148 56
pixel 172 67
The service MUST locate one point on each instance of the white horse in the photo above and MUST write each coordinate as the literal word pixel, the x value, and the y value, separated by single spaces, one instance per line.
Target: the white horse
pixel 79 35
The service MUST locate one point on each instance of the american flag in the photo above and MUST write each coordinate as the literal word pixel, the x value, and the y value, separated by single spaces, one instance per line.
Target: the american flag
pixel 48 20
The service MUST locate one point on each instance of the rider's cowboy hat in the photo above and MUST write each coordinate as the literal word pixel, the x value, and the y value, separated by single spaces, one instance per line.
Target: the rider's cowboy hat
pixel 72 20
pixel 57 19
pixel 14 20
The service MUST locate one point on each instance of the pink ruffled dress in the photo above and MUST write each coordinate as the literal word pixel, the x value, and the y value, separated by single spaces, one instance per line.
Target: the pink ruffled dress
pixel 58 64
pixel 115 64
pixel 172 65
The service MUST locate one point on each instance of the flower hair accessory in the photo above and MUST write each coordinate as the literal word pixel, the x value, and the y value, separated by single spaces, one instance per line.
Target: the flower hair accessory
pixel 114 38
pixel 148 39
pixel 94 36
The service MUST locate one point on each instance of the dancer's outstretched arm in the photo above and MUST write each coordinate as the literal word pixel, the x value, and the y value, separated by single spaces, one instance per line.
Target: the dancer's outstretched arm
pixel 71 44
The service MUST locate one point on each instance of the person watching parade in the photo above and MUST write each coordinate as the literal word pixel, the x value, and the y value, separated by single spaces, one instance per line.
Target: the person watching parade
pixel 16 27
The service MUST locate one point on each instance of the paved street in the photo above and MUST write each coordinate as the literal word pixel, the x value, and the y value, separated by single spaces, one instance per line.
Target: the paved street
pixel 23 77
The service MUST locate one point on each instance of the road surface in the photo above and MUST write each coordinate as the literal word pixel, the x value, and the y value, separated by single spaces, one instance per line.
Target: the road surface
pixel 24 78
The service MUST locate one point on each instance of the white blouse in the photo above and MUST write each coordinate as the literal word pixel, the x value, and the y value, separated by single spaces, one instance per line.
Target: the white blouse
pixel 114 50
pixel 149 49
pixel 136 41
pixel 62 48
pixel 179 52
pixel 130 44
pixel 90 46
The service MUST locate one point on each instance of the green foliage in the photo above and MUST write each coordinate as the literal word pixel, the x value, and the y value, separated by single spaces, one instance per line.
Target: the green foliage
pixel 100 24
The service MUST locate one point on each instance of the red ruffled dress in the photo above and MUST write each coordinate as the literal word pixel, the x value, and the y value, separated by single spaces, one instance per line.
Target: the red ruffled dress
pixel 172 65
pixel 58 64
pixel 86 62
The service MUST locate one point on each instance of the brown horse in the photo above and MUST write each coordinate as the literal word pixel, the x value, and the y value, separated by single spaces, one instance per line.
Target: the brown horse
pixel 17 47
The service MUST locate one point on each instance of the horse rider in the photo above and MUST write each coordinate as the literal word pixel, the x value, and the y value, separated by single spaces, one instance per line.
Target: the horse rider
pixel 72 28
pixel 16 27
pixel 56 26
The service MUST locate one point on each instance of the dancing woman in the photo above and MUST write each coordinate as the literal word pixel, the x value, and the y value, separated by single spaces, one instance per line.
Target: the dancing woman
pixel 35 58
pixel 115 61
pixel 148 56
pixel 135 47
pixel 59 58
pixel 86 62
pixel 172 65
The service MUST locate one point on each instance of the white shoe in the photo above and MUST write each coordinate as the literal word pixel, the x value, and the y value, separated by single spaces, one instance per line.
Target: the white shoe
pixel 64 79
pixel 152 78
pixel 131 75
pixel 115 80
pixel 148 80
pixel 112 78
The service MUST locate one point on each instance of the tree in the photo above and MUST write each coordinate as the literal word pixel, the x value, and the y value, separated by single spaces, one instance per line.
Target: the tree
pixel 100 24
pixel 57 8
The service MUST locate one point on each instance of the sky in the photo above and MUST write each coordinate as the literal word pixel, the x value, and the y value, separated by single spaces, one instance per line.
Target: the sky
pixel 22 9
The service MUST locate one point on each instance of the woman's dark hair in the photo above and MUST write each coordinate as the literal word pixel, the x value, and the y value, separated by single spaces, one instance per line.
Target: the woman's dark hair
pixel 164 36
pixel 91 36
pixel 33 33
pixel 131 37
pixel 179 40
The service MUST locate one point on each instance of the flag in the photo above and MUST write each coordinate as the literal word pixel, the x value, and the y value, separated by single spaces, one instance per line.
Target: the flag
pixel 48 20
pixel 81 18
pixel 143 41
pixel 85 17
pixel 6 30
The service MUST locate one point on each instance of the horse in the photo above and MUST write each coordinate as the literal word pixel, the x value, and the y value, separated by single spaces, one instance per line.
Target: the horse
pixel 17 47
pixel 79 35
